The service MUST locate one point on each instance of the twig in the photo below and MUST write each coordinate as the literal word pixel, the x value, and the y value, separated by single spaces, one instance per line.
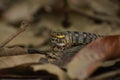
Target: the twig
pixel 21 29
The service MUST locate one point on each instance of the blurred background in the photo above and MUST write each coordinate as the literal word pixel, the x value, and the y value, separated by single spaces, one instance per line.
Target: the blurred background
pixel 96 16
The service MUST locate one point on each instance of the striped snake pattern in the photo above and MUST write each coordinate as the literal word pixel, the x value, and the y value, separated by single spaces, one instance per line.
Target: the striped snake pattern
pixel 66 39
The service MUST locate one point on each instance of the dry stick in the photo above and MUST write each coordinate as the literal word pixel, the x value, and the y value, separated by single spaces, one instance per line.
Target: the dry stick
pixel 21 29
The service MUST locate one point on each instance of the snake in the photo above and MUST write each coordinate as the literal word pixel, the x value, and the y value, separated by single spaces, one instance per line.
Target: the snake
pixel 65 39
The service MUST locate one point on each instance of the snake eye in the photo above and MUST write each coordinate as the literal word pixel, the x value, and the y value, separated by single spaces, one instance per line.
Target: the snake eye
pixel 53 39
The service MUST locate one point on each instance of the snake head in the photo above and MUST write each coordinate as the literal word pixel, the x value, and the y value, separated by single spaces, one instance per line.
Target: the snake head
pixel 59 40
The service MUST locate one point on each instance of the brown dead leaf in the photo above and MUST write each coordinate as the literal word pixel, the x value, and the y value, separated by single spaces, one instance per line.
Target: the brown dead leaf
pixel 52 69
pixel 11 61
pixel 12 51
pixel 86 61
pixel 35 70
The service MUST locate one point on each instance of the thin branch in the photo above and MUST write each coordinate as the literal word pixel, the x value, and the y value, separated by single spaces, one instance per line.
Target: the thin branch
pixel 10 38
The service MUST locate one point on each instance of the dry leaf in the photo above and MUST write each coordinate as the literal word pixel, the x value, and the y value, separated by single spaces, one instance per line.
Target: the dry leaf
pixel 11 61
pixel 86 61
pixel 35 70
pixel 52 69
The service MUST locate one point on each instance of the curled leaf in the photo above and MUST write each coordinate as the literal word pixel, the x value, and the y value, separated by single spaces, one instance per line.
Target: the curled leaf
pixel 87 60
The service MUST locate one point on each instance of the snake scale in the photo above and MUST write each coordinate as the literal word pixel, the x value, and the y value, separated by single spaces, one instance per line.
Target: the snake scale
pixel 66 39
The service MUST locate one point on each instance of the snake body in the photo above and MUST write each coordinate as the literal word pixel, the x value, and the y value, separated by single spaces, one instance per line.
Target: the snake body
pixel 65 39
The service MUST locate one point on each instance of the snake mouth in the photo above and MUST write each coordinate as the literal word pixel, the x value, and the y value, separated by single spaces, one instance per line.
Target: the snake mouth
pixel 58 46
